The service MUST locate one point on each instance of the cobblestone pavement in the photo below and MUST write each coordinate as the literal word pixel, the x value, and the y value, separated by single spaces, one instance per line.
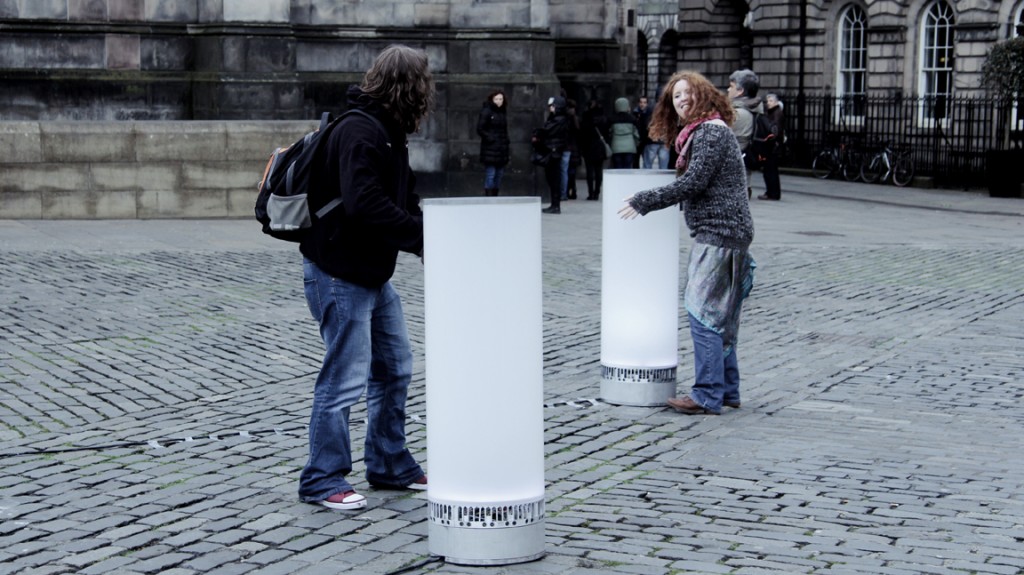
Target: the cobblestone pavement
pixel 155 381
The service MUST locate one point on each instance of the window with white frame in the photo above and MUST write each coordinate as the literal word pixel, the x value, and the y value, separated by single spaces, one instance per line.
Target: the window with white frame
pixel 936 81
pixel 851 73
pixel 1018 21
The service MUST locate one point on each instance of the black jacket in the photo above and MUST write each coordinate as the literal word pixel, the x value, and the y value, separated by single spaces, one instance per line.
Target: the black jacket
pixel 643 123
pixel 554 135
pixel 594 122
pixel 492 127
pixel 368 164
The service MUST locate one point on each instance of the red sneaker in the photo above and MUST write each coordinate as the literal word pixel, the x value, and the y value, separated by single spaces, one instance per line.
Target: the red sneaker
pixel 346 500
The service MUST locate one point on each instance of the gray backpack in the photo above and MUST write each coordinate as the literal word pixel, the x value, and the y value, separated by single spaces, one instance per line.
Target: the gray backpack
pixel 291 175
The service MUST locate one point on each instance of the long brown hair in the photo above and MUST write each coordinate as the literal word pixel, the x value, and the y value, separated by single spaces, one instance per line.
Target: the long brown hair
pixel 400 80
pixel 705 100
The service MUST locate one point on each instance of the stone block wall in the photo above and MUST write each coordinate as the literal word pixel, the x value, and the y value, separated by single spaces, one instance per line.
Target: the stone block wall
pixel 209 169
pixel 234 62
pixel 114 60
pixel 69 170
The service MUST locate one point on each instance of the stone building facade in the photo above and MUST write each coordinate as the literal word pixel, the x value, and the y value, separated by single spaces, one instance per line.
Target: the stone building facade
pixel 911 47
pixel 863 72
pixel 186 60
pixel 286 60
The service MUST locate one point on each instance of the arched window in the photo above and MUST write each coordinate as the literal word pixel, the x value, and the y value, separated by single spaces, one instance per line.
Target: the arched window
pixel 851 80
pixel 936 81
pixel 1018 22
pixel 668 60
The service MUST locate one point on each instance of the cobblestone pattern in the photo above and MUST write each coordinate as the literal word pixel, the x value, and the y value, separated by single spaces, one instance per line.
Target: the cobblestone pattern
pixel 153 410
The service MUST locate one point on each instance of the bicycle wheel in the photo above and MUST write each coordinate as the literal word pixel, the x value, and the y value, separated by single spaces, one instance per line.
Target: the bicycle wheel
pixel 872 168
pixel 903 171
pixel 851 167
pixel 825 164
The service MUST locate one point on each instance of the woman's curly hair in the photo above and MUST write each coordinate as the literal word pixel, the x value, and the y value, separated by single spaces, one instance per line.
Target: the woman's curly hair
pixel 400 80
pixel 705 100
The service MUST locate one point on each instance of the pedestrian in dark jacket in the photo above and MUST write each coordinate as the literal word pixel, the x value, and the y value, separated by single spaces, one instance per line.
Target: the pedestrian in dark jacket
pixel 349 258
pixel 592 139
pixel 492 127
pixel 574 150
pixel 552 139
pixel 770 169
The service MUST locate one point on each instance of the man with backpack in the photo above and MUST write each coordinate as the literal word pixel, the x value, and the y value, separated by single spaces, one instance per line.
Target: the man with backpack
pixel 743 87
pixel 349 257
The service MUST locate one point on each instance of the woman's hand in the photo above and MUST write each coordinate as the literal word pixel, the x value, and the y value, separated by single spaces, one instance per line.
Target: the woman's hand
pixel 627 212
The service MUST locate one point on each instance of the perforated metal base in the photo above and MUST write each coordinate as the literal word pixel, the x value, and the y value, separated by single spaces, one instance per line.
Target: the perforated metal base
pixel 486 534
pixel 642 387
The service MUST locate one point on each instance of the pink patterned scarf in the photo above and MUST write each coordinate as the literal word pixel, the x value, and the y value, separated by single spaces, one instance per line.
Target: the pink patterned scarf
pixel 683 141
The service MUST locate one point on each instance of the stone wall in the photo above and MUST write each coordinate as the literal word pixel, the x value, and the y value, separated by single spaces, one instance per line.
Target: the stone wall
pixel 894 37
pixel 136 61
pixel 719 36
pixel 197 169
pixel 63 170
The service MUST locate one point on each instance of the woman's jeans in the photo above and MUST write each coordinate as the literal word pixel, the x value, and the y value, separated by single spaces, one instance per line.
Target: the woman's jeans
pixel 492 177
pixel 655 152
pixel 717 373
pixel 564 181
pixel 367 347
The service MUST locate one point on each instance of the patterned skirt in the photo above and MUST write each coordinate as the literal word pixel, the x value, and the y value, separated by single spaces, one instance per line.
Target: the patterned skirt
pixel 718 280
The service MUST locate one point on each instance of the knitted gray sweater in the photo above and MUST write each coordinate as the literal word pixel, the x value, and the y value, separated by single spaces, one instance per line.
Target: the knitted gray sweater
pixel 712 191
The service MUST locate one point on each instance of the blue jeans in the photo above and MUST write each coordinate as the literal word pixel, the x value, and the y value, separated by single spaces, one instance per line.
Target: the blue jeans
pixel 492 177
pixel 566 156
pixel 717 373
pixel 652 151
pixel 367 347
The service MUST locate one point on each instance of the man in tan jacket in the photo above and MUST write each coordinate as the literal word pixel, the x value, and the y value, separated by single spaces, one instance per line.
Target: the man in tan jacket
pixel 743 87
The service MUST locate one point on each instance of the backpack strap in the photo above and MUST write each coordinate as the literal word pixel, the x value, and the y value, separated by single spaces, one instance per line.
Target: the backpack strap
pixel 753 120
pixel 289 177
pixel 328 207
pixel 325 119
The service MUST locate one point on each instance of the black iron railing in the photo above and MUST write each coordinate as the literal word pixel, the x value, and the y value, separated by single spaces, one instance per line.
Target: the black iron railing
pixel 948 136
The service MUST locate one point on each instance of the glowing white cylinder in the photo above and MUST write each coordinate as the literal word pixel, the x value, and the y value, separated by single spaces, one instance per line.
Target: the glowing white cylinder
pixel 484 379
pixel 639 294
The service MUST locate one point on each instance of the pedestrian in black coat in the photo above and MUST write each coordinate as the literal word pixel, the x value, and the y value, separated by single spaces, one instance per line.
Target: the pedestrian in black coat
pixel 551 140
pixel 492 127
pixel 592 137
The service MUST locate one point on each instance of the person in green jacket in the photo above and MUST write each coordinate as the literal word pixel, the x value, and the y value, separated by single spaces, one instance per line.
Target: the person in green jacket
pixel 625 136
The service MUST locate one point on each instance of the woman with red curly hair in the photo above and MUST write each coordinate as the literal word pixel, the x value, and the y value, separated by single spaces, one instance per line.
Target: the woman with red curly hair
pixel 711 188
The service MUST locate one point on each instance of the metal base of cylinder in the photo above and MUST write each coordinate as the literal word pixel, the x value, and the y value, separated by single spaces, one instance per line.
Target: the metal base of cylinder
pixel 463 546
pixel 640 387
pixel 486 533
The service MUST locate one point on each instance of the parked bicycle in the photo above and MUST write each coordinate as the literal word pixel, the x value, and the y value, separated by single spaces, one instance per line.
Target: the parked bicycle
pixel 841 158
pixel 889 162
